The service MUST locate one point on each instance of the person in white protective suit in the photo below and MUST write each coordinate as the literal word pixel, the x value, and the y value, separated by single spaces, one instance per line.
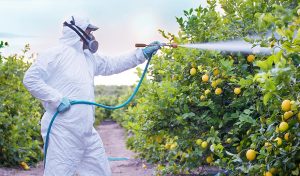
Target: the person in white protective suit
pixel 66 72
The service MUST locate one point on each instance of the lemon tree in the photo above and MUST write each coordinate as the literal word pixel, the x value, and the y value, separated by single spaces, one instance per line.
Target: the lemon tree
pixel 20 113
pixel 240 105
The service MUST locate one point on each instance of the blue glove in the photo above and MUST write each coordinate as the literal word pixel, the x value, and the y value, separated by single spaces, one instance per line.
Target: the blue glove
pixel 64 105
pixel 149 51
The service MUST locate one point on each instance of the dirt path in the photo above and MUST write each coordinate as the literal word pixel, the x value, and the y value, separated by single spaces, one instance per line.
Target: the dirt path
pixel 113 137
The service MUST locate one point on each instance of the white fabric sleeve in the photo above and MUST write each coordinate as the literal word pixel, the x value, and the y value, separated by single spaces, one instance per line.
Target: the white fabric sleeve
pixel 105 65
pixel 34 81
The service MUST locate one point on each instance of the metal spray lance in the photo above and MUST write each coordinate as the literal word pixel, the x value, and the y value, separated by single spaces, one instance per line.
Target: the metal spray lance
pixel 173 45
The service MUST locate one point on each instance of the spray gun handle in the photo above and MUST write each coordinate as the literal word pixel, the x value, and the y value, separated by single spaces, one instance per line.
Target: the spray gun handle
pixel 140 45
pixel 144 45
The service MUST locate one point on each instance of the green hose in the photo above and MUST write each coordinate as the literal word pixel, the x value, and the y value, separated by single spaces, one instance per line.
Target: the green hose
pixel 74 102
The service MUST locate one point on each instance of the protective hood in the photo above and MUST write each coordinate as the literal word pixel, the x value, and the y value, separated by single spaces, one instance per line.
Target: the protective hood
pixel 69 37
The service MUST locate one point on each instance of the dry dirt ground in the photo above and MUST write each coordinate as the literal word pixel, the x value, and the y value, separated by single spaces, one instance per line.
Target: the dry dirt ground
pixel 113 137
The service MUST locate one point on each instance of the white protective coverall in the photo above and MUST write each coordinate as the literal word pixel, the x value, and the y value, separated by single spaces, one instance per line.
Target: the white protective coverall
pixel 68 71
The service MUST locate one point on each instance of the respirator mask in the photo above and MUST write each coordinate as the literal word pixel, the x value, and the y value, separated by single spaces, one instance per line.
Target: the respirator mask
pixel 88 40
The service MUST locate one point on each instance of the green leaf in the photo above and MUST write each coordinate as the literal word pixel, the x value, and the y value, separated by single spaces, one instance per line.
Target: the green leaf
pixel 269 18
pixel 246 82
pixel 186 115
pixel 267 97
pixel 266 64
pixel 227 64
pixel 280 32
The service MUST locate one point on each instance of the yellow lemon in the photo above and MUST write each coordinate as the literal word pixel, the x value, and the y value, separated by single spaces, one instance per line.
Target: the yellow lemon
pixel 173 146
pixel 237 90
pixel 273 170
pixel 206 91
pixel 287 115
pixel 218 91
pixel 216 72
pixel 286 136
pixel 202 97
pixel 205 78
pixel 209 159
pixel 251 154
pixel 204 144
pixel 279 141
pixel 286 105
pixel 199 142
pixel 268 144
pixel 214 84
pixel 283 126
pixel 24 166
pixel 193 71
pixel 268 174
pixel 250 58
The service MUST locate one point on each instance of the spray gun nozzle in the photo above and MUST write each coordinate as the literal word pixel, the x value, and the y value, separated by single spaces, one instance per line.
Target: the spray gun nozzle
pixel 173 45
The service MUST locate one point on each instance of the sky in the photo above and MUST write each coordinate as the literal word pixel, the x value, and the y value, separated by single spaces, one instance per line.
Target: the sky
pixel 121 23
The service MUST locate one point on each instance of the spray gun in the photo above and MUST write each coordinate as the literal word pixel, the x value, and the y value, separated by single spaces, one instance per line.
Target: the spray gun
pixel 173 45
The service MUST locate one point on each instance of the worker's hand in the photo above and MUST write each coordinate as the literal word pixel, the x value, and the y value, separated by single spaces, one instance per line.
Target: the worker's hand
pixel 64 105
pixel 149 51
